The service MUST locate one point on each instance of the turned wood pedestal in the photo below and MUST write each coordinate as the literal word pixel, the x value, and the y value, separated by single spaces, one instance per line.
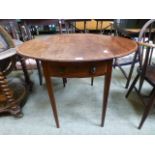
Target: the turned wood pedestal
pixel 12 96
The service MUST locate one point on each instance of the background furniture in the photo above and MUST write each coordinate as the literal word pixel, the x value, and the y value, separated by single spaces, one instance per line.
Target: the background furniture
pixel 26 35
pixel 146 35
pixel 43 26
pixel 74 22
pixel 68 60
pixel 128 29
pixel 101 28
pixel 120 27
pixel 20 32
pixel 11 98
pixel 146 69
pixel 12 28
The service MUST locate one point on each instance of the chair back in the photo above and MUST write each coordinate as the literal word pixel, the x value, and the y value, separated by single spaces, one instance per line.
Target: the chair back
pixel 146 60
pixel 25 32
pixel 6 52
pixel 12 28
pixel 119 26
pixel 146 35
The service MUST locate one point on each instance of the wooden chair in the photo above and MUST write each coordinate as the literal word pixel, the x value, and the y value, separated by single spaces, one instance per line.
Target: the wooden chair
pixel 146 69
pixel 13 30
pixel 132 59
pixel 11 27
pixel 25 36
pixel 145 72
pixel 8 103
pixel 146 35
pixel 21 33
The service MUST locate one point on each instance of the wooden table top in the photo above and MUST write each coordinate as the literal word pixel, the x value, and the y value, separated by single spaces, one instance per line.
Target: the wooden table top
pixel 77 47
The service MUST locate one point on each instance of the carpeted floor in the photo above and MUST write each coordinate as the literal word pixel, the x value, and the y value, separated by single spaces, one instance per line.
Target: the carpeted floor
pixel 79 109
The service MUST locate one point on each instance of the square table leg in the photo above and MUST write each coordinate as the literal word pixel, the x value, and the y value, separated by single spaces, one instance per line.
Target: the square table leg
pixel 107 82
pixel 51 95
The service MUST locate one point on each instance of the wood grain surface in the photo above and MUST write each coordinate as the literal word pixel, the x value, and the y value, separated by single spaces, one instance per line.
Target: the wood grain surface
pixel 77 47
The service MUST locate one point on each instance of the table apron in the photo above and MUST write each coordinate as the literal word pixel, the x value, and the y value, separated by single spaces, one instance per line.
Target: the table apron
pixel 76 69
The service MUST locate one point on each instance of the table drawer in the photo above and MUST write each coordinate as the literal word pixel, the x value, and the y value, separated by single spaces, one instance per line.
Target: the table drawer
pixel 79 69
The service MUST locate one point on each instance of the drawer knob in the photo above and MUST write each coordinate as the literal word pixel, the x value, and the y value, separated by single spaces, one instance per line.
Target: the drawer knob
pixel 93 70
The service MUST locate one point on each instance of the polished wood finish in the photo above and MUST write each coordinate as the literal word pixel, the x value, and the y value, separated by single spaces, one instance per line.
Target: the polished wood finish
pixel 50 92
pixel 75 70
pixel 106 90
pixel 77 56
pixel 77 47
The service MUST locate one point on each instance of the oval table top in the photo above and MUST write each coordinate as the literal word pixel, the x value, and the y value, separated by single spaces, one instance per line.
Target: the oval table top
pixel 77 47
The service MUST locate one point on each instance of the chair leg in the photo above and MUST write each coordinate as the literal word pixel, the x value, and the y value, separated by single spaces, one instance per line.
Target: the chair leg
pixel 140 84
pixel 119 66
pixel 114 62
pixel 147 110
pixel 132 85
pixel 131 71
pixel 26 75
pixel 64 81
pixel 39 72
pixel 124 73
pixel 92 81
pixel 152 92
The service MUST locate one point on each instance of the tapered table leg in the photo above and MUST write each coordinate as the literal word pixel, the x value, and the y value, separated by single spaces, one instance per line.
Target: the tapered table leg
pixel 51 94
pixel 107 82
pixel 51 69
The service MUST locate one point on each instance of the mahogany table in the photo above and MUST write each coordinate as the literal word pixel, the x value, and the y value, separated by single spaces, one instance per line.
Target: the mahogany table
pixel 77 56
